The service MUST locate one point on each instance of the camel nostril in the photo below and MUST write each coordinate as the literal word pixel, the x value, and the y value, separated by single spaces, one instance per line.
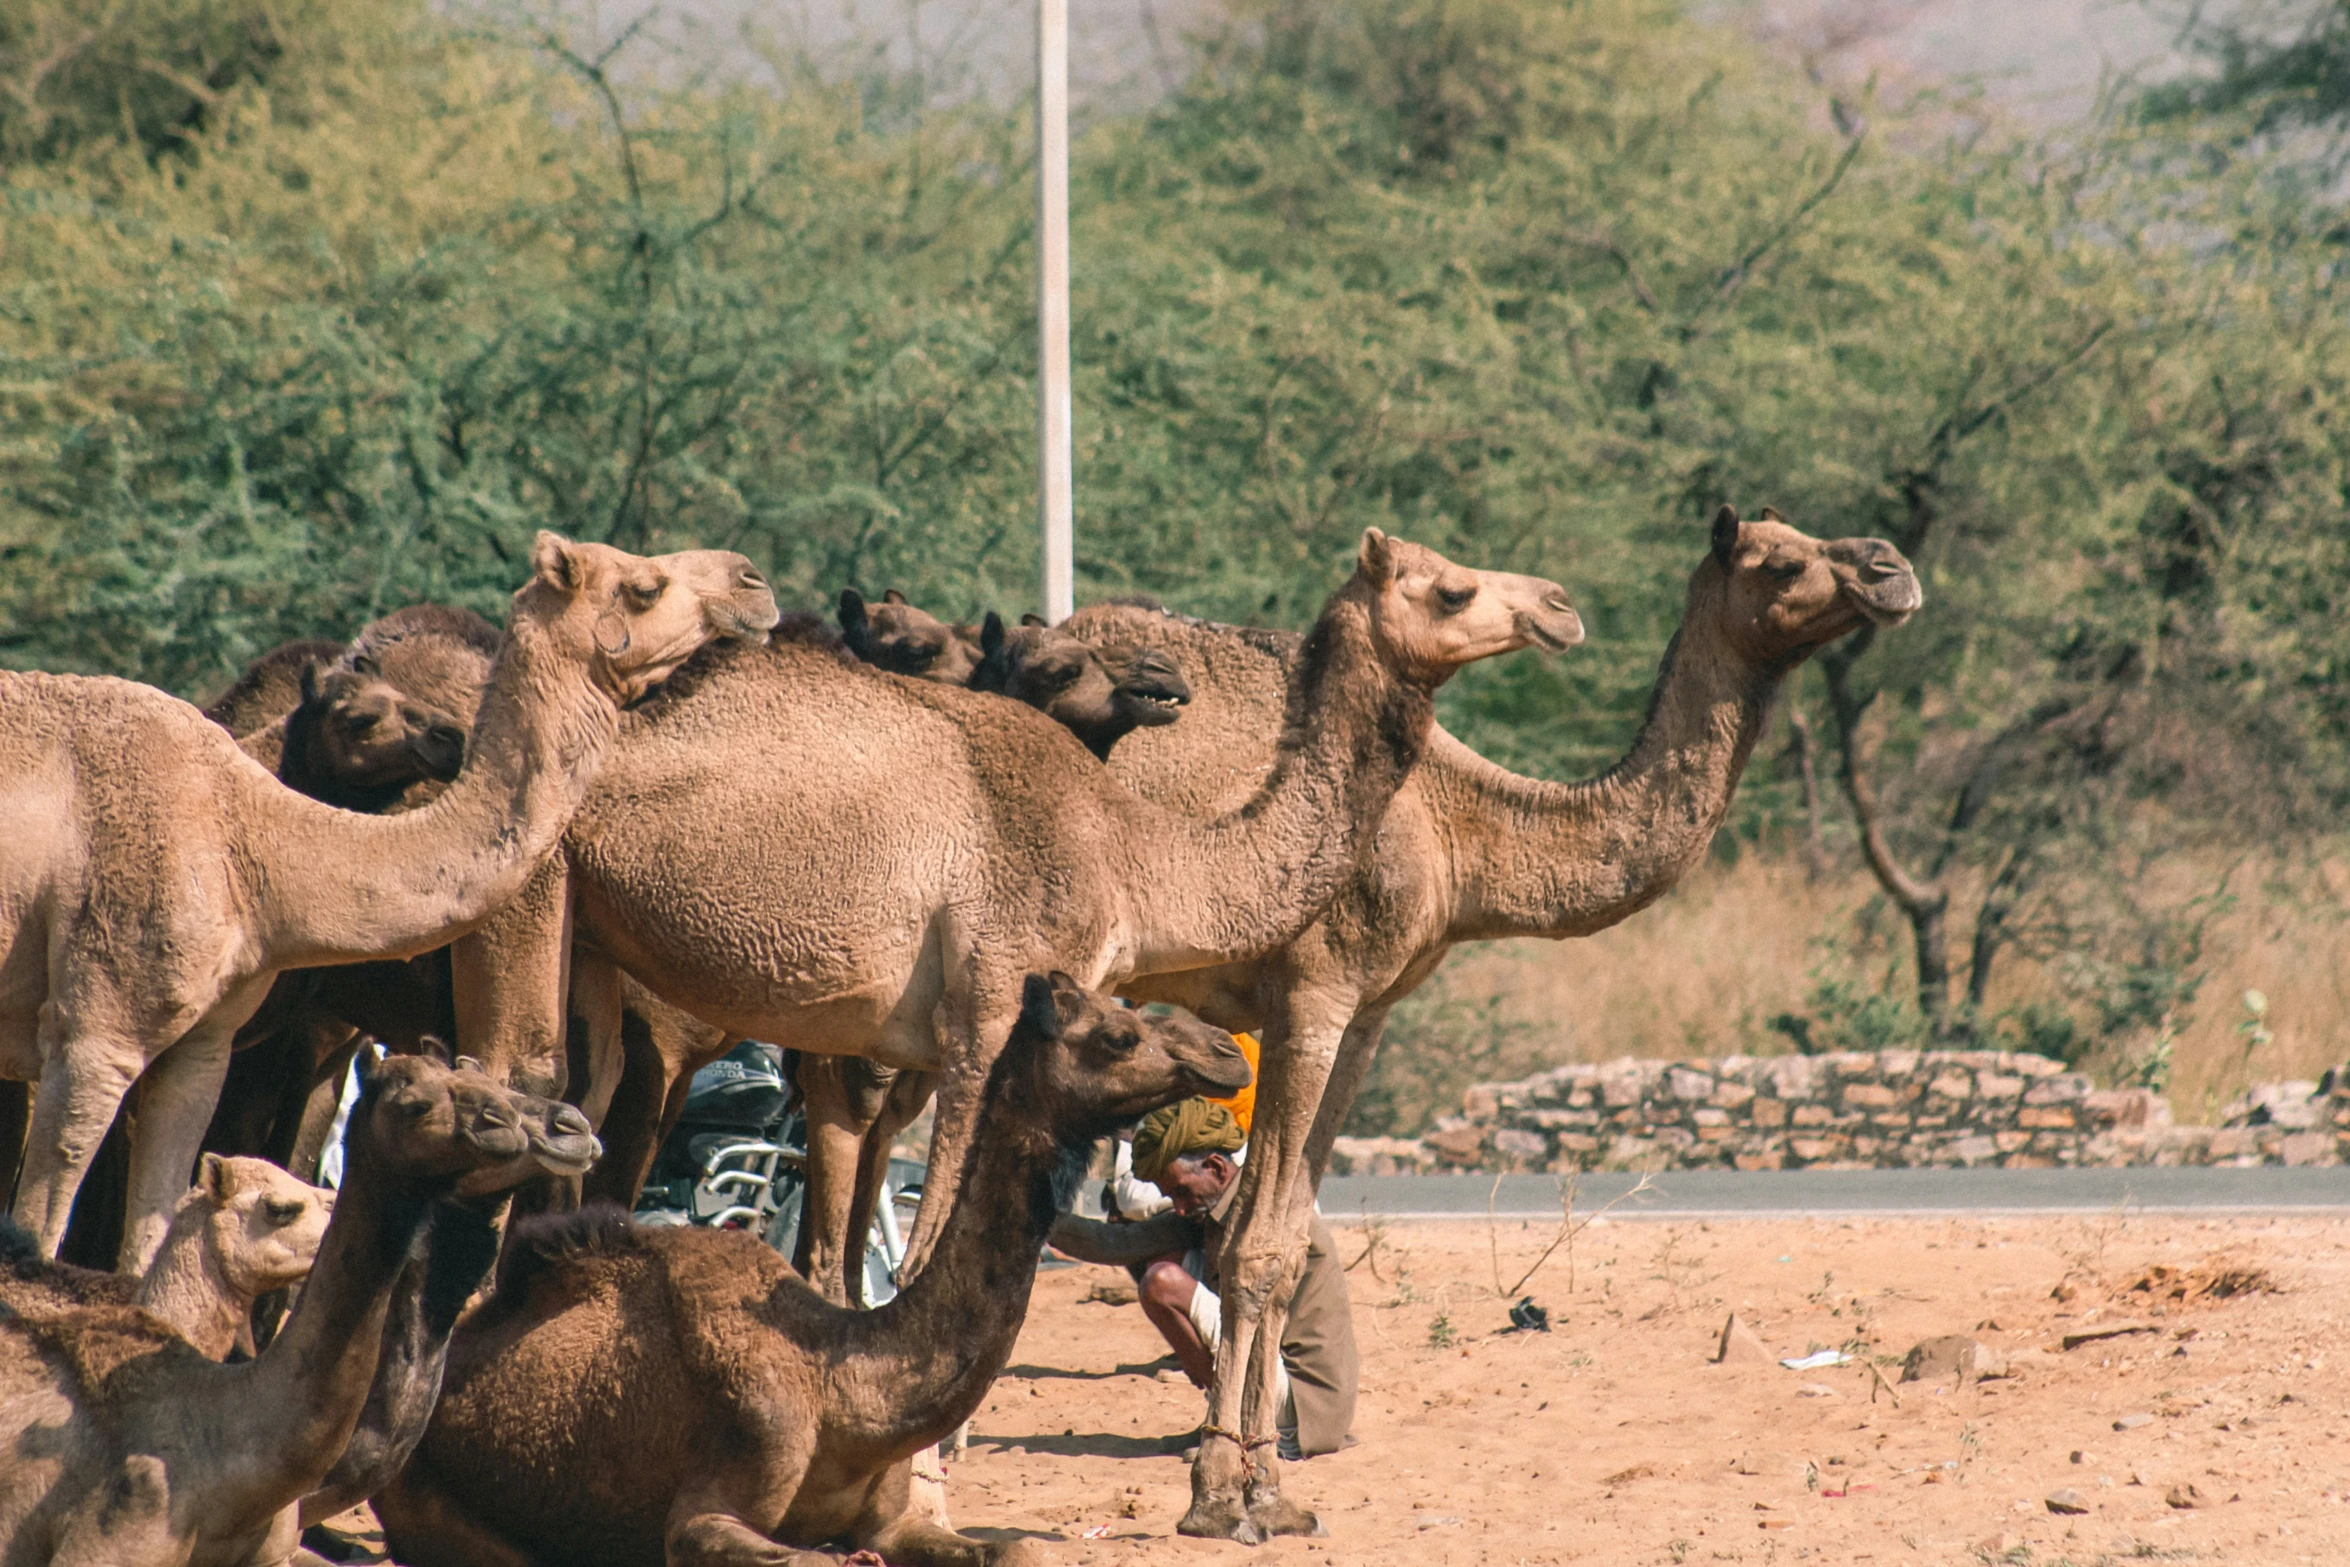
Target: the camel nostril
pixel 568 1121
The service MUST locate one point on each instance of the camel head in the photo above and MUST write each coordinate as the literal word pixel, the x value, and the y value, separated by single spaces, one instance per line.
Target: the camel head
pixel 1436 616
pixel 1100 695
pixel 355 735
pixel 261 1226
pixel 895 636
pixel 427 1121
pixel 634 618
pixel 558 1140
pixel 1089 1065
pixel 1786 594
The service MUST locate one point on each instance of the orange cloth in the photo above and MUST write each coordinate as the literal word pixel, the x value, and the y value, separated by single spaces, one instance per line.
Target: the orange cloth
pixel 1242 1102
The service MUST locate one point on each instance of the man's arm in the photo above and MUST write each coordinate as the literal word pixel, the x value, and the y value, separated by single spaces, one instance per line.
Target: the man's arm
pixel 1090 1240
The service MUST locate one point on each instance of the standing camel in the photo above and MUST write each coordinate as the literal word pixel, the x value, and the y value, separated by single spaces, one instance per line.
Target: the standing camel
pixel 145 910
pixel 883 894
pixel 1468 852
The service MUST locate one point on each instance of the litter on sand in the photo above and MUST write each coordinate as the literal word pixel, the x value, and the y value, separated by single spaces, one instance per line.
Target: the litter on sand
pixel 1812 1362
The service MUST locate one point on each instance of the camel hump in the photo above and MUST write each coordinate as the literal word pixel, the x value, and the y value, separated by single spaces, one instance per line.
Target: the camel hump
pixel 440 621
pixel 547 1240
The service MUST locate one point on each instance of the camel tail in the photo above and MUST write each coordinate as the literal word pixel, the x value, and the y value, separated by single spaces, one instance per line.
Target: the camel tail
pixel 545 1240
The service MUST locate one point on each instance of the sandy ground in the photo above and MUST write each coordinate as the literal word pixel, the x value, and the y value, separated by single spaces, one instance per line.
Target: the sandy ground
pixel 1611 1439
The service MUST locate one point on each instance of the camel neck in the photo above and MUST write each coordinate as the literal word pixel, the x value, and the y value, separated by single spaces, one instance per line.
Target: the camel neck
pixel 1558 860
pixel 1352 730
pixel 314 1377
pixel 185 1287
pixel 922 1363
pixel 345 887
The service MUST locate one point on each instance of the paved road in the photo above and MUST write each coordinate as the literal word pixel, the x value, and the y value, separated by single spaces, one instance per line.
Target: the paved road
pixel 1776 1194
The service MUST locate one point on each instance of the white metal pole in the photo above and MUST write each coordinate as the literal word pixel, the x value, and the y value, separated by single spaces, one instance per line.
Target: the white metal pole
pixel 1056 480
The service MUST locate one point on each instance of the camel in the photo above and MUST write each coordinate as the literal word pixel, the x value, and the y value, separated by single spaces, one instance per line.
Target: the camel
pixel 245 1228
pixel 1468 852
pixel 356 741
pixel 895 636
pixel 270 685
pixel 448 1261
pixel 127 1446
pixel 928 845
pixel 144 911
pixel 748 1419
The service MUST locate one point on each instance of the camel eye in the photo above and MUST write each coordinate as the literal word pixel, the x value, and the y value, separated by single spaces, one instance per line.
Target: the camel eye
pixel 416 1109
pixel 281 1211
pixel 360 723
pixel 1455 600
pixel 643 595
pixel 1063 677
pixel 1785 570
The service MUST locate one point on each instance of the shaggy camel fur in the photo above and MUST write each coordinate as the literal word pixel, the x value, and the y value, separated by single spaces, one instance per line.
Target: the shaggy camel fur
pixel 245 1228
pixel 1468 852
pixel 144 912
pixel 929 845
pixel 127 1447
pixel 748 1413
pixel 449 1260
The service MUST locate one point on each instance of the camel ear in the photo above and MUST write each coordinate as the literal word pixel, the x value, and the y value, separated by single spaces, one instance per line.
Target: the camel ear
pixel 893 596
pixel 1037 1009
pixel 1377 557
pixel 309 684
pixel 1771 514
pixel 855 627
pixel 216 1178
pixel 1726 534
pixel 365 664
pixel 552 560
pixel 467 1064
pixel 1032 620
pixel 434 1048
pixel 991 635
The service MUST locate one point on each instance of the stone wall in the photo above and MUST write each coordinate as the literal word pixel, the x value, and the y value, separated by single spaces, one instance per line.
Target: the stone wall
pixel 1849 1111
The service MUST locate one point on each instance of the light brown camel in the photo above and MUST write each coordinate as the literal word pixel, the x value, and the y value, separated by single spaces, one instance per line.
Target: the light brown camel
pixel 245 1228
pixel 927 846
pixel 144 910
pixel 748 1416
pixel 1468 852
pixel 126 1446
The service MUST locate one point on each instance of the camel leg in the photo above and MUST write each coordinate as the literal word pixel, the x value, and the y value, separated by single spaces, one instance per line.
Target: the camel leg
pixel 899 1529
pixel 507 981
pixel 631 1128
pixel 1236 1489
pixel 907 1098
pixel 595 997
pixel 83 1079
pixel 176 1105
pixel 842 1097
pixel 16 1114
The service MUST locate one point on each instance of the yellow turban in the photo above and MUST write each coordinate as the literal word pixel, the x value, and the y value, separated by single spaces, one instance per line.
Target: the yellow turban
pixel 1190 1126
pixel 1242 1101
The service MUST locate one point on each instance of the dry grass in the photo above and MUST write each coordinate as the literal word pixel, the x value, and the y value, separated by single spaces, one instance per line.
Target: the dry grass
pixel 1702 972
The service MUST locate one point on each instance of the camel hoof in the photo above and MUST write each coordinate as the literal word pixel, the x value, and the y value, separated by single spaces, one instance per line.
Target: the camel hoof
pixel 1274 1514
pixel 1216 1518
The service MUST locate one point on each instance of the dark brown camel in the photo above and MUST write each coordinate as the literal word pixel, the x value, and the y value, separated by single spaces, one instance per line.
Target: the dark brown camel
pixel 129 1446
pixel 747 1412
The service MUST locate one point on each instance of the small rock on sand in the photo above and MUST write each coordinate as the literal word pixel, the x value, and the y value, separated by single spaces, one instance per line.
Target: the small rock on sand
pixel 1951 1355
pixel 1741 1345
pixel 2067 1501
pixel 1818 1390
pixel 2183 1496
pixel 2132 1422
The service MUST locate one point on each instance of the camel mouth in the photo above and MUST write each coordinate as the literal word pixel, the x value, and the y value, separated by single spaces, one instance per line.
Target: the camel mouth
pixel 1155 707
pixel 1553 638
pixel 1889 603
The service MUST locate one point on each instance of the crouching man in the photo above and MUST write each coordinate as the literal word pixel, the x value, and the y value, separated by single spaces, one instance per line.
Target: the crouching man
pixel 1187 1151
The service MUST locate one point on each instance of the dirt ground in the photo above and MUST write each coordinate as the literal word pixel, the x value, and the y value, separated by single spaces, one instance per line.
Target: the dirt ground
pixel 1611 1439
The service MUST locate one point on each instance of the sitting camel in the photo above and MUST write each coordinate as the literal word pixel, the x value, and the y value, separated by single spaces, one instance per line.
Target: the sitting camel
pixel 126 1445
pixel 245 1228
pixel 747 1412
pixel 448 1261
pixel 270 685
pixel 145 911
